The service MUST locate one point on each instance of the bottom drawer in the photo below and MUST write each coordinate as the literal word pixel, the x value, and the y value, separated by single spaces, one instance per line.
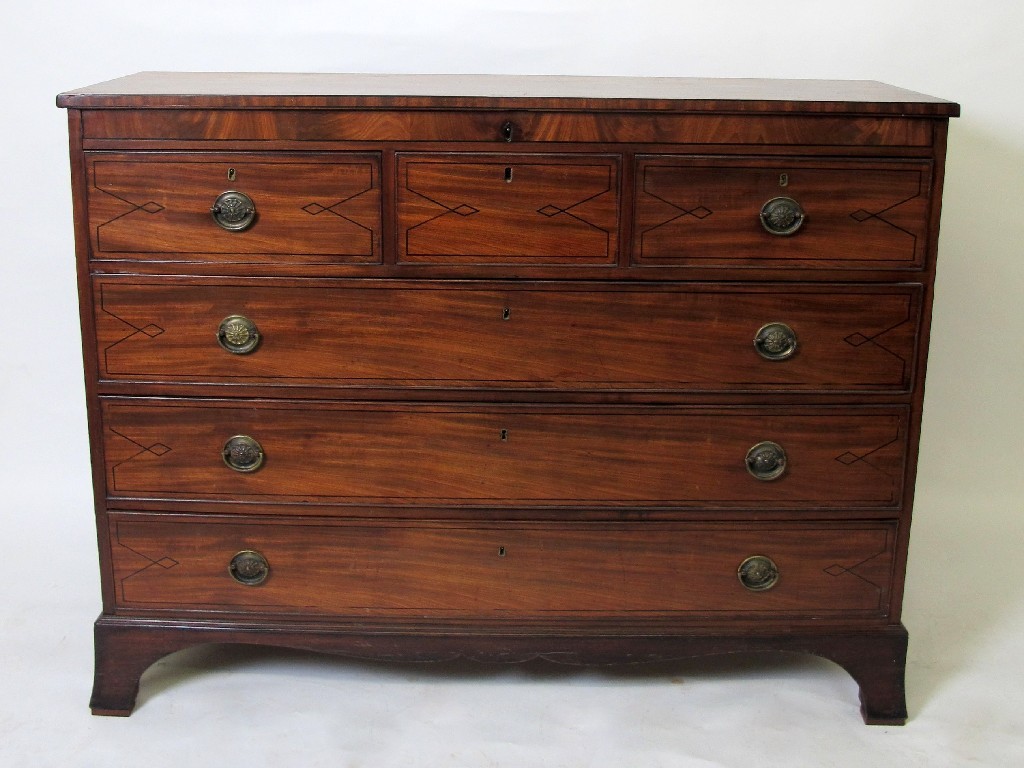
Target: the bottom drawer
pixel 428 570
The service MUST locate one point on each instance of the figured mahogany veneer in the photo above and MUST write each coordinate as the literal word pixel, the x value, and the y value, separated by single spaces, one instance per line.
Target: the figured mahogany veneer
pixel 157 207
pixel 361 453
pixel 563 209
pixel 859 214
pixel 477 376
pixel 296 127
pixel 509 335
pixel 580 572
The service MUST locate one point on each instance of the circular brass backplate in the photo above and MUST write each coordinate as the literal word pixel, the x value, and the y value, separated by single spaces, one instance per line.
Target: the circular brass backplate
pixel 238 334
pixel 243 453
pixel 782 216
pixel 249 567
pixel 758 573
pixel 766 460
pixel 233 211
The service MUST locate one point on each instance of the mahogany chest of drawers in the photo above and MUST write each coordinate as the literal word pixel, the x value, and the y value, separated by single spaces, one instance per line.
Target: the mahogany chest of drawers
pixel 590 369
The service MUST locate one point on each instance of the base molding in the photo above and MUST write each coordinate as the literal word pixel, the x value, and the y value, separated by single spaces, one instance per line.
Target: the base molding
pixel 875 658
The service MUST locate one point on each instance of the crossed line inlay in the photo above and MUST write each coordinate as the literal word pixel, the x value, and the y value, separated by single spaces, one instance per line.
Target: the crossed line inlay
pixel 151 330
pixel 165 563
pixel 157 449
pixel 836 570
pixel 858 339
pixel 849 457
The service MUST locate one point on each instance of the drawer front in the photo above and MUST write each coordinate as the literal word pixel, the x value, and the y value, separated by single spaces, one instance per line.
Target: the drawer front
pixel 323 125
pixel 707 212
pixel 322 208
pixel 544 571
pixel 508 209
pixel 509 335
pixel 502 456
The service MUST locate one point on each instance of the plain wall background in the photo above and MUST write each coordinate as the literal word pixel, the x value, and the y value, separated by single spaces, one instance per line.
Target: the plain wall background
pixel 971 483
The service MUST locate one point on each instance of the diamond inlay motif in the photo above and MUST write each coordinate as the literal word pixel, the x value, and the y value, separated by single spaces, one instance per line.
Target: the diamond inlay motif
pixel 465 210
pixel 835 570
pixel 167 563
pixel 313 209
pixel 848 458
pixel 550 210
pixel 856 339
pixel 152 330
pixel 861 215
pixel 152 207
pixel 159 449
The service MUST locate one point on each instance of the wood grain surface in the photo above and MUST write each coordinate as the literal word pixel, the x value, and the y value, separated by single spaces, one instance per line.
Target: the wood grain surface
pixel 352 453
pixel 485 209
pixel 432 570
pixel 310 126
pixel 506 383
pixel 309 208
pixel 694 210
pixel 508 335
pixel 319 90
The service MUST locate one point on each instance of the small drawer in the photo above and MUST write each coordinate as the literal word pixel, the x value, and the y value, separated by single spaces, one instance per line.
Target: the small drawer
pixel 322 208
pixel 409 455
pixel 719 212
pixel 541 571
pixel 508 336
pixel 508 209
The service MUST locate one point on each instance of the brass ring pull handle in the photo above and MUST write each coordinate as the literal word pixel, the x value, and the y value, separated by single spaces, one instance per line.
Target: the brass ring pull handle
pixel 758 573
pixel 238 334
pixel 249 568
pixel 234 211
pixel 766 461
pixel 775 341
pixel 243 454
pixel 782 216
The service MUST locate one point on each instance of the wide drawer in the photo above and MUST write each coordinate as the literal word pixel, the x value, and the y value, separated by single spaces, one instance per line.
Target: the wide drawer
pixel 526 571
pixel 306 126
pixel 309 208
pixel 508 209
pixel 706 211
pixel 502 456
pixel 508 335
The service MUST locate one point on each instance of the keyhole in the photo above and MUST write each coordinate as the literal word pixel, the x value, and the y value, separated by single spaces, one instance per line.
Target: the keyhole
pixel 231 174
pixel 508 175
pixel 506 313
pixel 783 179
pixel 504 435
pixel 501 551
